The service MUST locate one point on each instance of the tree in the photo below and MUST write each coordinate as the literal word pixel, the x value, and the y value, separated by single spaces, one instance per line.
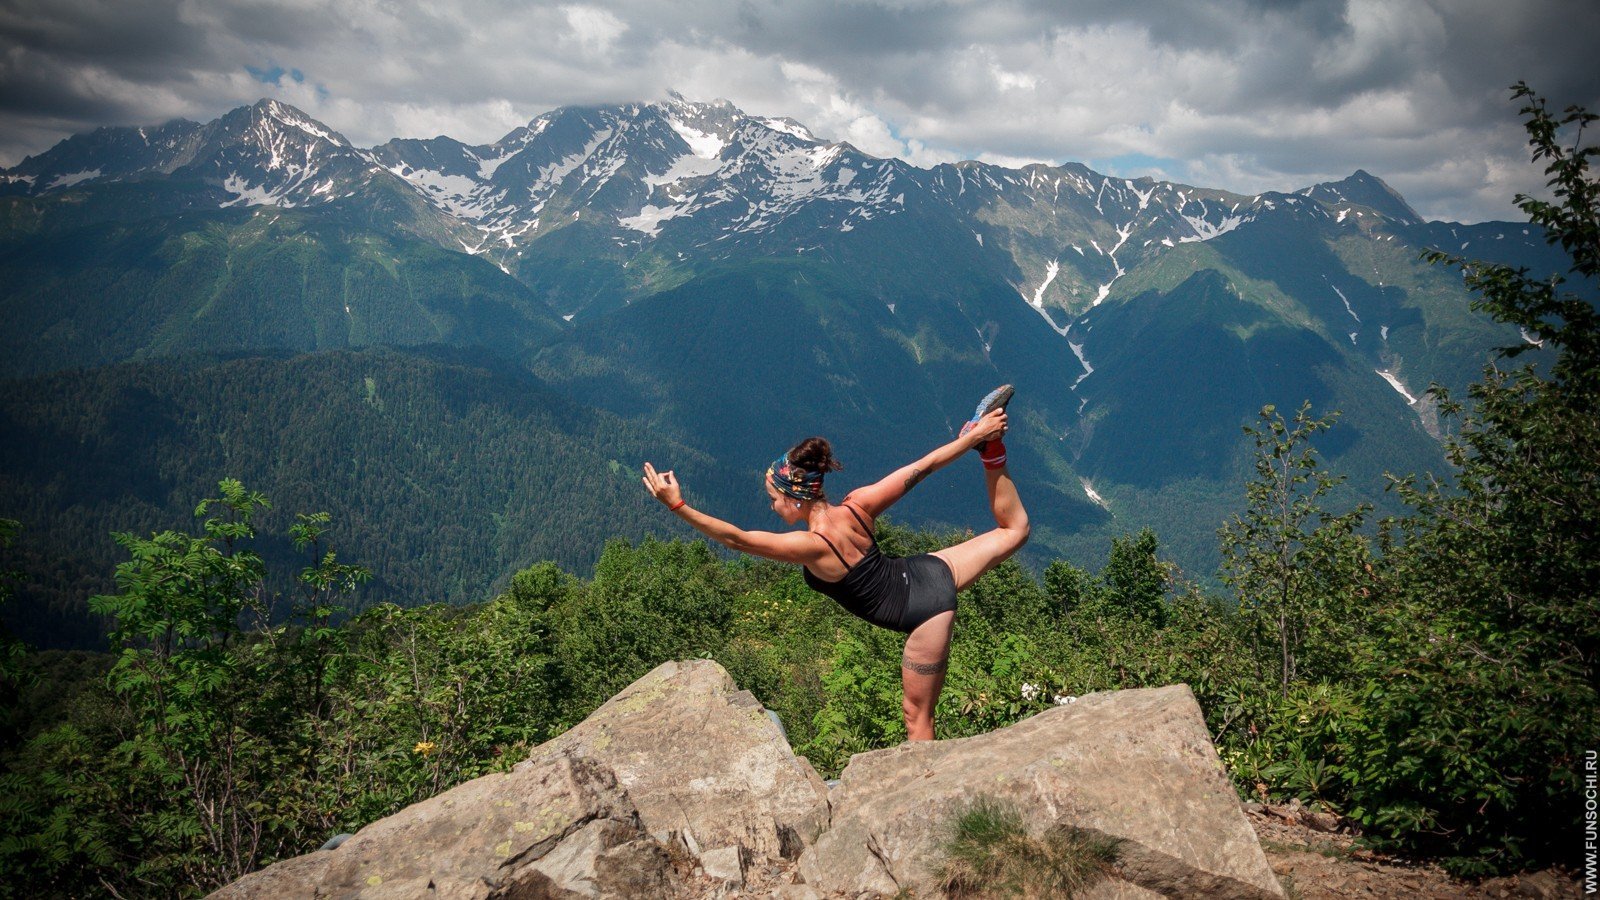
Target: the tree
pixel 1471 734
pixel 1529 449
pixel 1295 567
pixel 1136 581
pixel 12 650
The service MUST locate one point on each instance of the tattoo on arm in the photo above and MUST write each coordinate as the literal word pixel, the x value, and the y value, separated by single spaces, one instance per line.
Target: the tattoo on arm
pixel 926 668
pixel 914 478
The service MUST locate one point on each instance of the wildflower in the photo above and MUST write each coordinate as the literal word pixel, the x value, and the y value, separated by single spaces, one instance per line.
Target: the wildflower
pixel 424 748
pixel 1029 691
pixel 1064 699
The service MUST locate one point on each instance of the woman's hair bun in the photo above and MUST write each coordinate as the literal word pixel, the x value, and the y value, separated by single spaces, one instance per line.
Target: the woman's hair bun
pixel 814 455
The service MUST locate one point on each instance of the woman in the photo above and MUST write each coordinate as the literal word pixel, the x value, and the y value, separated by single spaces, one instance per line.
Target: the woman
pixel 917 595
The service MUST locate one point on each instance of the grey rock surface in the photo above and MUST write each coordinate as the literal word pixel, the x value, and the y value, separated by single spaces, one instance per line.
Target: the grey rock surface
pixel 701 758
pixel 680 758
pixel 1136 765
pixel 545 830
pixel 682 786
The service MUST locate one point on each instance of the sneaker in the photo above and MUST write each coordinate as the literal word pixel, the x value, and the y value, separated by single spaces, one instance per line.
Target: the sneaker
pixel 995 399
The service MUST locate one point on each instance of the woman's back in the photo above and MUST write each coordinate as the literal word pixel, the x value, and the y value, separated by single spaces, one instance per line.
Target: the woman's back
pixel 845 530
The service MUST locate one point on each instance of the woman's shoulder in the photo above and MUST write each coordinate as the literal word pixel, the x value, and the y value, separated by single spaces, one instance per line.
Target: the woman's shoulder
pixel 851 510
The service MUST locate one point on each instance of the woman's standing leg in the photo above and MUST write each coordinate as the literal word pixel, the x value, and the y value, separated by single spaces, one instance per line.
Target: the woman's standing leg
pixel 922 668
pixel 927 652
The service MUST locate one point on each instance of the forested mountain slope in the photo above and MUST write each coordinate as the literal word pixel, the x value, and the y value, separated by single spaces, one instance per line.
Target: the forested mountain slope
pixel 442 474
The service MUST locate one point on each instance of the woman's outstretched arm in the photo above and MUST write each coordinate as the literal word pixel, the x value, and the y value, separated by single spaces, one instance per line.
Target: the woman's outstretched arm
pixel 789 547
pixel 873 499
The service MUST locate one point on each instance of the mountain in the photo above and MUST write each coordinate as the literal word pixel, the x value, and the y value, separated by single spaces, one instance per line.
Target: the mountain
pixel 732 283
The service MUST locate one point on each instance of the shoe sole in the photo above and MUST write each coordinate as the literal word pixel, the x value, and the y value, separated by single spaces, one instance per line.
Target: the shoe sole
pixel 995 399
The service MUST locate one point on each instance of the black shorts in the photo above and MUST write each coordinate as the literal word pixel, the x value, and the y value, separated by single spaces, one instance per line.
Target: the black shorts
pixel 931 590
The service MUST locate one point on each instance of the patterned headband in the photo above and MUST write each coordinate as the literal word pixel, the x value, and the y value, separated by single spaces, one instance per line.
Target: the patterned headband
pixel 793 481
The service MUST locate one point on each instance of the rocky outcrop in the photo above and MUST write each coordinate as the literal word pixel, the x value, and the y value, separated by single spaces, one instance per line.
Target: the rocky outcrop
pixel 682 786
pixel 681 767
pixel 1135 765
pixel 560 828
pixel 701 759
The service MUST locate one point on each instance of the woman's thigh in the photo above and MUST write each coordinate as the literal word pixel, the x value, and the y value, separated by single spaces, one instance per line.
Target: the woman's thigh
pixel 970 559
pixel 926 655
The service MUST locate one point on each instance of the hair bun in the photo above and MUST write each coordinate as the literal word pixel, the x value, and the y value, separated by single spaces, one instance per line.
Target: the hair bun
pixel 814 455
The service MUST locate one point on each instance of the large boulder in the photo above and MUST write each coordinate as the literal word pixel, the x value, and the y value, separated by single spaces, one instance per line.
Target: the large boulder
pixel 1136 765
pixel 680 764
pixel 702 762
pixel 559 829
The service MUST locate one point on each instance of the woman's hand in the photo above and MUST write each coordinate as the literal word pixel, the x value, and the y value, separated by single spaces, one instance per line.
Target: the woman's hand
pixel 992 427
pixel 662 485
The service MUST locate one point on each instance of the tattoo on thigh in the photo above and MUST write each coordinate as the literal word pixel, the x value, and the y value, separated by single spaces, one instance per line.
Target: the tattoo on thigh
pixel 915 478
pixel 933 668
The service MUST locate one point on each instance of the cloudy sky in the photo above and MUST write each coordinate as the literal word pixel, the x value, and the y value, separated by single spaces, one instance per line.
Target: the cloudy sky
pixel 1239 94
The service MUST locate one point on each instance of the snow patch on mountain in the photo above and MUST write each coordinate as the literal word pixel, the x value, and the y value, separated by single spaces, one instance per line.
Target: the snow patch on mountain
pixel 1343 299
pixel 452 193
pixel 70 179
pixel 291 117
pixel 650 218
pixel 248 194
pixel 1205 230
pixel 1089 491
pixel 1395 383
pixel 1077 350
pixel 1122 238
pixel 704 144
pixel 1050 273
pixel 789 127
pixel 689 165
pixel 487 167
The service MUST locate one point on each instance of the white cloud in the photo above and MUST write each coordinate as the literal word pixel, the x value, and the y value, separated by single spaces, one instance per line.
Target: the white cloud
pixel 594 28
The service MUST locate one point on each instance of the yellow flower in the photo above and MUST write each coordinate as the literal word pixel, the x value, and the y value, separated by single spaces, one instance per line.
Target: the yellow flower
pixel 425 748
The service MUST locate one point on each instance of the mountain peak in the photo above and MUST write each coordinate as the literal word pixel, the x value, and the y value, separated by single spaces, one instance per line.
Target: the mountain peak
pixel 275 113
pixel 1365 189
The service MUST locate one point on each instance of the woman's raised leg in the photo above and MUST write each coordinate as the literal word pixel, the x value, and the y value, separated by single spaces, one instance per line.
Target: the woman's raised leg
pixel 972 558
pixel 922 668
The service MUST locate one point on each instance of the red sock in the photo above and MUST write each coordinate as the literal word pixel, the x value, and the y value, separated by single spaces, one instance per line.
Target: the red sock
pixel 993 454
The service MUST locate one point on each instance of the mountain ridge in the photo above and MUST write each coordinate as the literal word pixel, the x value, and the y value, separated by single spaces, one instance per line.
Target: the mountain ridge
pixel 734 283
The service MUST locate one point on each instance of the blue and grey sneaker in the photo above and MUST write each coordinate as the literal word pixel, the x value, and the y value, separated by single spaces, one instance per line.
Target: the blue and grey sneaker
pixel 995 399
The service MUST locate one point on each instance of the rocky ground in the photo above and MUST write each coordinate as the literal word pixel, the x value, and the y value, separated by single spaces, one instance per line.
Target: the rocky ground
pixel 1317 858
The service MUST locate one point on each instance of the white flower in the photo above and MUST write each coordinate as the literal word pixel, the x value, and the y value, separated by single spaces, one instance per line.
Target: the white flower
pixel 1029 691
pixel 1063 699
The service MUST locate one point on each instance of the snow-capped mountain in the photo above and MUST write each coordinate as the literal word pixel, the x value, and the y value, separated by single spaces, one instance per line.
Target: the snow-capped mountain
pixel 269 153
pixel 686 180
pixel 694 250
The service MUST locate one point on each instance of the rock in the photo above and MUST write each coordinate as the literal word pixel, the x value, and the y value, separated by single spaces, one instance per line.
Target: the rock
pixel 725 864
pixel 1135 765
pixel 291 878
pixel 700 757
pixel 1325 822
pixel 560 828
pixel 1538 885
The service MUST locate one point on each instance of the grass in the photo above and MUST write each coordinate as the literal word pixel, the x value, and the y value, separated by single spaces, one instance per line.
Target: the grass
pixel 989 853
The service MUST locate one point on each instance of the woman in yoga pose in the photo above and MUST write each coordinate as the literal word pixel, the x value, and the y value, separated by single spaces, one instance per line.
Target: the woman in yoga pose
pixel 916 595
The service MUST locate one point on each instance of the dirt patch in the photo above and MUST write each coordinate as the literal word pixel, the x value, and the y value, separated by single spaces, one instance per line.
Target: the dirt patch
pixel 1318 857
